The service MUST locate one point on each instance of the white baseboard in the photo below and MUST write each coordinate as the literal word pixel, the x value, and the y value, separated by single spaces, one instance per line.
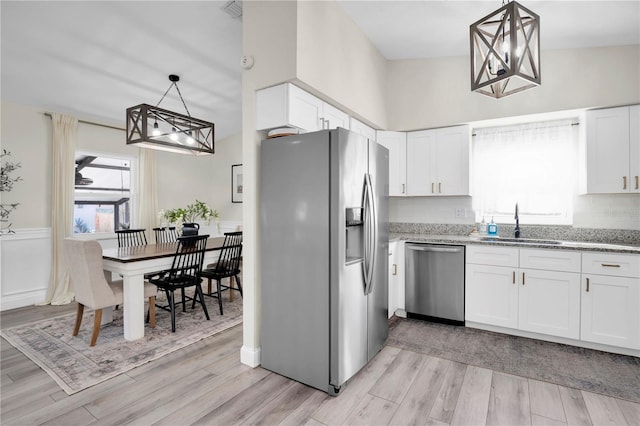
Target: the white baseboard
pixel 20 300
pixel 250 356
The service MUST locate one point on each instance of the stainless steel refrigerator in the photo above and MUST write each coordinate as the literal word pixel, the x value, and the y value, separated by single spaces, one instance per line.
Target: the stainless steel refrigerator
pixel 324 231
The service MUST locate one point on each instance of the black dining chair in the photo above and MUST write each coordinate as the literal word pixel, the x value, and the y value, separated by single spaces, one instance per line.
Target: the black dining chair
pixel 166 234
pixel 228 266
pixel 185 272
pixel 131 237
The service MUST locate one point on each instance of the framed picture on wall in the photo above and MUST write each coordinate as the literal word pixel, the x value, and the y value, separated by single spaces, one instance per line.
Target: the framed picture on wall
pixel 236 183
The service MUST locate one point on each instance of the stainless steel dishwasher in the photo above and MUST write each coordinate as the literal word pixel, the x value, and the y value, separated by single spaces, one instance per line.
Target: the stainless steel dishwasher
pixel 435 282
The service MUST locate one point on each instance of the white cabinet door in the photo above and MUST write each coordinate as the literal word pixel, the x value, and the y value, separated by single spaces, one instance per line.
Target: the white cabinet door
pixel 549 302
pixel 396 143
pixel 607 140
pixel 452 161
pixel 361 128
pixel 634 148
pixel 421 162
pixel 393 278
pixel 333 118
pixel 611 310
pixel 491 295
pixel 438 161
pixel 287 105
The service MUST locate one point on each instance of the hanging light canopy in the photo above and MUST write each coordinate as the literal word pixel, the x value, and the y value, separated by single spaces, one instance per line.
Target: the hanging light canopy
pixel 156 128
pixel 505 51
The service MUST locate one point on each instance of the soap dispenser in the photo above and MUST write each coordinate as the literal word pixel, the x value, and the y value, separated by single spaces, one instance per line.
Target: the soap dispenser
pixel 492 229
pixel 482 228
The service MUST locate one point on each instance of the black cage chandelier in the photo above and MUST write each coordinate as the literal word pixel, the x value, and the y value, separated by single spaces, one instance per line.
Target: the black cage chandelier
pixel 505 51
pixel 156 128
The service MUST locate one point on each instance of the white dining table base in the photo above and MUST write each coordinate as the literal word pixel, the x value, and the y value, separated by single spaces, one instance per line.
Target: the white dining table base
pixel 133 288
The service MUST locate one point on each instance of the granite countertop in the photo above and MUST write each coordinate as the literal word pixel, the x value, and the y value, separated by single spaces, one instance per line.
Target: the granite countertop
pixel 532 243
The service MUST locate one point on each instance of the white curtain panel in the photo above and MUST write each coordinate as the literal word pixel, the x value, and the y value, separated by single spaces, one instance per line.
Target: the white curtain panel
pixel 529 164
pixel 148 200
pixel 65 130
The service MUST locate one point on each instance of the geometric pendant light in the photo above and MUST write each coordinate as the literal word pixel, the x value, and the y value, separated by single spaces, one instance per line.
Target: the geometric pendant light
pixel 156 128
pixel 505 51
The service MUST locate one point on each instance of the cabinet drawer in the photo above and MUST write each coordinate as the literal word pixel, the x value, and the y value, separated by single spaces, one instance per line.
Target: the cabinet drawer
pixel 619 265
pixel 550 260
pixel 498 256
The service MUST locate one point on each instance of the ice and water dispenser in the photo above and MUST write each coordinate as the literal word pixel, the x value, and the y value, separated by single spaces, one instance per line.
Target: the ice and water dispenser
pixel 354 238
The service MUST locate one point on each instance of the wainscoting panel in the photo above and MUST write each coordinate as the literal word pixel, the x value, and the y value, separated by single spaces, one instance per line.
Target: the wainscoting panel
pixel 26 264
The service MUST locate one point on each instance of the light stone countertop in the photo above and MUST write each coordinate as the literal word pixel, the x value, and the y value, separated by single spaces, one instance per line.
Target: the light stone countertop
pixel 532 243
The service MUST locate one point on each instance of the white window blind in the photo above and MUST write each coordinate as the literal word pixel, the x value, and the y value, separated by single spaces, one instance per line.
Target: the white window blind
pixel 530 164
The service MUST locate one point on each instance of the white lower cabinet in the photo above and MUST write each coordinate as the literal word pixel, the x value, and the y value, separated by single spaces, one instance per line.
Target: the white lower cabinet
pixel 500 292
pixel 396 276
pixel 491 295
pixel 584 296
pixel 549 302
pixel 611 299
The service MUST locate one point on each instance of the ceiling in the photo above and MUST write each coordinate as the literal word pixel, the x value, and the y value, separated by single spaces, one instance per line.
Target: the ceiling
pixel 93 59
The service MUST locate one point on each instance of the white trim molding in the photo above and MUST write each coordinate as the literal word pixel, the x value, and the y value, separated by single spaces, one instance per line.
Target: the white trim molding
pixel 250 356
pixel 25 256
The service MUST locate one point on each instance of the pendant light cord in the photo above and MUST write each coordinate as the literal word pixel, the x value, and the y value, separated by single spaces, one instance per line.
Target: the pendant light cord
pixel 179 94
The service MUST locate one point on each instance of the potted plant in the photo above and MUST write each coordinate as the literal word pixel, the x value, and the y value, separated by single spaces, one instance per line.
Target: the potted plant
pixel 185 218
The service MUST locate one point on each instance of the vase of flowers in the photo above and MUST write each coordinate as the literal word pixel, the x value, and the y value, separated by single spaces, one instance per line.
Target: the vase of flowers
pixel 185 218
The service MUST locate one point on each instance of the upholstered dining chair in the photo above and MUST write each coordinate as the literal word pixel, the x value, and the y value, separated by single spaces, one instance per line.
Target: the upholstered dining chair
pixel 91 286
pixel 131 237
pixel 166 234
pixel 228 266
pixel 185 272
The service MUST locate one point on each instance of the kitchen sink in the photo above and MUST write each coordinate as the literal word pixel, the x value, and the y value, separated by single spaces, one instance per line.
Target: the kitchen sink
pixel 519 240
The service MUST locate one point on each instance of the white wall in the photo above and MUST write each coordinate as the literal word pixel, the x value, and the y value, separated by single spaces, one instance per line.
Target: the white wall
pixel 26 132
pixel 430 93
pixel 336 61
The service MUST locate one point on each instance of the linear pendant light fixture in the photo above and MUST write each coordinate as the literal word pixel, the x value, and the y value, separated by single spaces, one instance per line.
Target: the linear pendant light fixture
pixel 505 51
pixel 156 128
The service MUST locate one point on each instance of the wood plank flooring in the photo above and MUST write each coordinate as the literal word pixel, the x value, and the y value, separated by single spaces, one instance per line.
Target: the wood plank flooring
pixel 205 384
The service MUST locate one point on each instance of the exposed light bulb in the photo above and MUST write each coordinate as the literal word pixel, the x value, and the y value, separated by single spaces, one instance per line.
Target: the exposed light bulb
pixel 173 136
pixel 190 139
pixel 156 131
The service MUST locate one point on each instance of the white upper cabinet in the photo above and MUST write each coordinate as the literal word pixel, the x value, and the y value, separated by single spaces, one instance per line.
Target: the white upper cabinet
pixel 361 128
pixel 333 118
pixel 396 143
pixel 287 105
pixel 613 150
pixel 438 161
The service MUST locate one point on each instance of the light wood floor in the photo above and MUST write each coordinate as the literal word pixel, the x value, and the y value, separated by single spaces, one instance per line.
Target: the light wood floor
pixel 206 384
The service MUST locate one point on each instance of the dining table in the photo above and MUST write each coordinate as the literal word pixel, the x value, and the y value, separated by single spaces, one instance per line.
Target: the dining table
pixel 132 263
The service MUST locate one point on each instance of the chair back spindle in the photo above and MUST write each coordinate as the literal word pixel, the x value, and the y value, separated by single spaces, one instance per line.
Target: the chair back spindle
pixel 230 254
pixel 131 237
pixel 187 263
pixel 166 235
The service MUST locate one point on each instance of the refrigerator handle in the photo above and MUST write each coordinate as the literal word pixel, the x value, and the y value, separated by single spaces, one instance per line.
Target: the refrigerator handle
pixel 370 234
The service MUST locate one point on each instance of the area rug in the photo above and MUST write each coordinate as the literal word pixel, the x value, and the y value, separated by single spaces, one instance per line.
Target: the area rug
pixel 75 366
pixel 585 369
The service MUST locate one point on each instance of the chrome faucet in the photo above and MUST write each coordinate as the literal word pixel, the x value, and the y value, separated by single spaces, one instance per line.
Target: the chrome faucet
pixel 517 230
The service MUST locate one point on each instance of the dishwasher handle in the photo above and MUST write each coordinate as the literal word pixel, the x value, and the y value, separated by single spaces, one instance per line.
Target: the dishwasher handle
pixel 421 247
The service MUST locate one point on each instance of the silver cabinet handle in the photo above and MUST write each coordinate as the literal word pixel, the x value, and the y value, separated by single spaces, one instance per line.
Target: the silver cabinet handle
pixel 433 187
pixel 403 188
pixel 439 187
pixel 624 182
pixel 395 269
pixel 587 285
pixel 523 278
pixel 513 278
pixel 610 265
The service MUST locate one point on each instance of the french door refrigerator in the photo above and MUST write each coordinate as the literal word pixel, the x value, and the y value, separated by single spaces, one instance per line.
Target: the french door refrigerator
pixel 324 232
